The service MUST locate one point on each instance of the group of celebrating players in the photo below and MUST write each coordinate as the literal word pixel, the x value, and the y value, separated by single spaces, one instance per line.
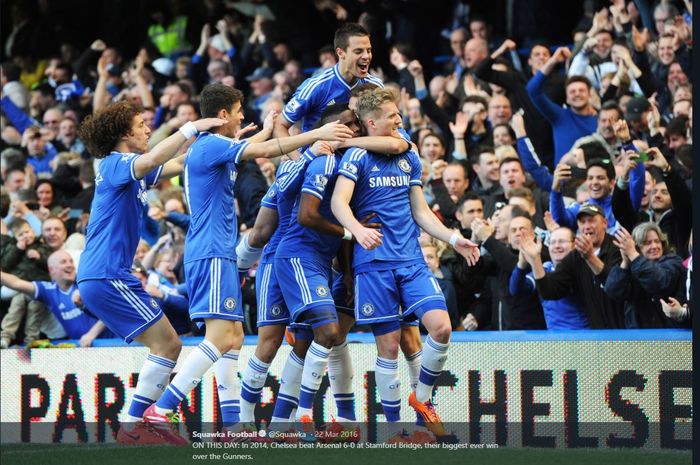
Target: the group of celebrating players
pixel 336 239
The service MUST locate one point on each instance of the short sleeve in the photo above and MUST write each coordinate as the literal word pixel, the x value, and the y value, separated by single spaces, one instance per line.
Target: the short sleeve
pixel 270 198
pixel 299 104
pixel 152 178
pixel 119 170
pixel 416 169
pixel 40 290
pixel 224 150
pixel 351 163
pixel 317 176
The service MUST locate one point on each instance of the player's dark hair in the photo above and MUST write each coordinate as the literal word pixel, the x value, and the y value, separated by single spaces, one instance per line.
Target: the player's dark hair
pixel 604 163
pixel 466 197
pixel 405 49
pixel 344 32
pixel 102 131
pixel 594 149
pixel 11 71
pixel 331 112
pixel 480 150
pixel 511 160
pixel 678 126
pixel 516 212
pixel 4 203
pixel 437 136
pixel 576 78
pixel 510 130
pixel 216 97
pixel 612 105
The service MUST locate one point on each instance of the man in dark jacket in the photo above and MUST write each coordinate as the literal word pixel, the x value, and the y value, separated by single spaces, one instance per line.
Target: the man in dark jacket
pixel 512 312
pixel 585 270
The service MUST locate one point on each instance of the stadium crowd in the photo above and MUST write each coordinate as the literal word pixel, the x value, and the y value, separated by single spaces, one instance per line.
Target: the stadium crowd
pixel 570 165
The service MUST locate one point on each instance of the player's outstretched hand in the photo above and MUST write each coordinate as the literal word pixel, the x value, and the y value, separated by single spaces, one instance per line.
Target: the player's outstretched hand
pixel 368 238
pixel 207 123
pixel 269 122
pixel 468 249
pixel 246 129
pixel 334 131
pixel 321 147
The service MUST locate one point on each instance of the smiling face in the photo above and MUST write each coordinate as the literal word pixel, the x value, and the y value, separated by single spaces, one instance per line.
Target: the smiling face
pixel 561 242
pixel 665 50
pixel 356 58
pixel 501 136
pixel 61 267
pixel 165 266
pixel 652 247
pixel 432 149
pixel 660 198
pixel 384 121
pixel 577 95
pixel 54 233
pixel 44 193
pixel 599 185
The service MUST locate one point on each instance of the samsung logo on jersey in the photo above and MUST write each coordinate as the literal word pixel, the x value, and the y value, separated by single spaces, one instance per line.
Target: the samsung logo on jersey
pixel 69 315
pixel 389 181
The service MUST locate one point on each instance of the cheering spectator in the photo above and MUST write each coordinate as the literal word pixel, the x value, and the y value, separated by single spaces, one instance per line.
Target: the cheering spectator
pixel 648 272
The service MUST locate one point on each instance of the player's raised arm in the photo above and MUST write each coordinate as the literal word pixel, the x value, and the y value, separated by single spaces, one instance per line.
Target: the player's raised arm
pixel 17 284
pixel 167 148
pixel 427 220
pixel 381 144
pixel 281 127
pixel 279 146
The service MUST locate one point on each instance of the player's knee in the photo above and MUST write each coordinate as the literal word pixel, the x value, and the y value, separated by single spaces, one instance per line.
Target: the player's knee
pixel 268 349
pixel 410 343
pixel 389 351
pixel 328 336
pixel 441 333
pixel 172 348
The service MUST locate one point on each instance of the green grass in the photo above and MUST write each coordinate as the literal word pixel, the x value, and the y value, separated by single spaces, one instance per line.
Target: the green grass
pixel 108 454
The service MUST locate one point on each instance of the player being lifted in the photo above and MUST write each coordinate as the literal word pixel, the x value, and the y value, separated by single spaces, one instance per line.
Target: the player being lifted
pixel 210 260
pixel 391 277
pixel 119 137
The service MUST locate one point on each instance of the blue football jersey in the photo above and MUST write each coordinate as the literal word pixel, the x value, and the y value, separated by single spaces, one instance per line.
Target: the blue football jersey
pixel 115 217
pixel 286 188
pixel 209 175
pixel 59 302
pixel 319 180
pixel 317 92
pixel 382 185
